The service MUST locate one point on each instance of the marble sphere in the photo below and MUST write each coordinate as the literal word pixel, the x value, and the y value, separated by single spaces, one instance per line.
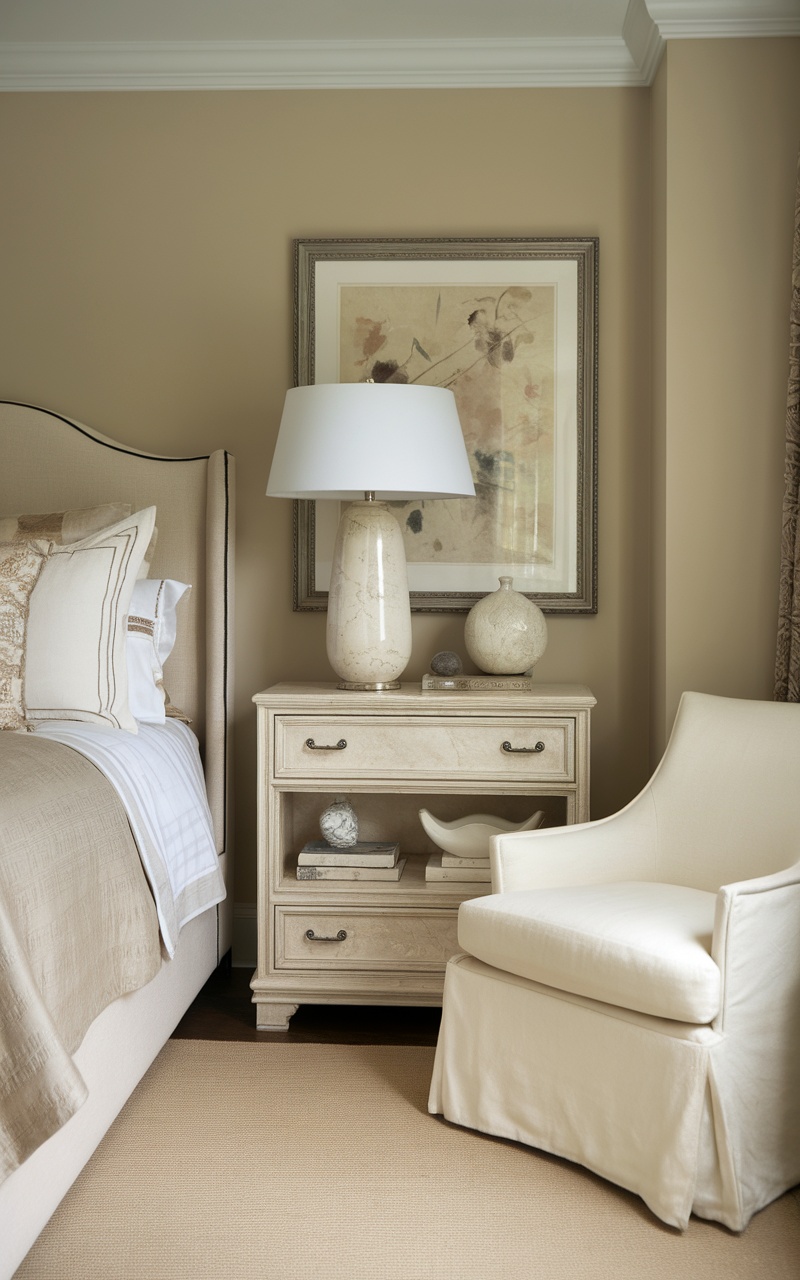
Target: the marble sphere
pixel 339 824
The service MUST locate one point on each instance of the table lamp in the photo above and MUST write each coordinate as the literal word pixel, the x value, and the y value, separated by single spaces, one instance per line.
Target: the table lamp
pixel 369 443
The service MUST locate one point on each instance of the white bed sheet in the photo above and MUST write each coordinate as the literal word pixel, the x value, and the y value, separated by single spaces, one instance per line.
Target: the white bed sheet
pixel 158 775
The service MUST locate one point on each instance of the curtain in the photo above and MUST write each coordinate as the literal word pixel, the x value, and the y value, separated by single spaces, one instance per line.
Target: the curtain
pixel 787 662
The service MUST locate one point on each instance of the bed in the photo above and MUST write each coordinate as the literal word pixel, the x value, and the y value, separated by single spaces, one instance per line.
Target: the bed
pixel 51 464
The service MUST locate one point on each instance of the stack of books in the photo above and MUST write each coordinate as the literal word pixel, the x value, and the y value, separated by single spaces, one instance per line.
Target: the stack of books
pixel 449 866
pixel 365 860
pixel 467 684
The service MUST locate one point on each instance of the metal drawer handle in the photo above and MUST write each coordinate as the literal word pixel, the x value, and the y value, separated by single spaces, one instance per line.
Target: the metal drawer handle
pixel 539 747
pixel 315 937
pixel 338 746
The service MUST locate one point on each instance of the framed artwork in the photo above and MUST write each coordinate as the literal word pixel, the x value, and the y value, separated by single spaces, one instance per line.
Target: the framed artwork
pixel 511 327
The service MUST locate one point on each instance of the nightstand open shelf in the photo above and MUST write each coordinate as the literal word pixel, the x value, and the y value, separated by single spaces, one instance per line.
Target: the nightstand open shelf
pixel 387 942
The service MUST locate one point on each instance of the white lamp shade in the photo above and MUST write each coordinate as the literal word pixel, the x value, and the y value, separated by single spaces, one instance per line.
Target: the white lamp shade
pixel 342 440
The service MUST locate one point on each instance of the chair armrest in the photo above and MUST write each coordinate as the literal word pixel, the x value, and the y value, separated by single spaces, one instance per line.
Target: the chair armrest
pixel 620 847
pixel 756 927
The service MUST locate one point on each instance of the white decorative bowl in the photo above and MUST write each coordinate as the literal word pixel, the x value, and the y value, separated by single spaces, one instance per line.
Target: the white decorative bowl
pixel 469 837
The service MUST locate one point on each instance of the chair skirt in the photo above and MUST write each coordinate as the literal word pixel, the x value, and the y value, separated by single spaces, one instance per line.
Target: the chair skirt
pixel 637 1099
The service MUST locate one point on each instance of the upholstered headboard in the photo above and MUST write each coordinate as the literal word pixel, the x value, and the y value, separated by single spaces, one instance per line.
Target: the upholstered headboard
pixel 51 463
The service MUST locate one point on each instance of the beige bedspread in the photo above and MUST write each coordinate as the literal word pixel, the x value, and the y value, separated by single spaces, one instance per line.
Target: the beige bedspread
pixel 78 928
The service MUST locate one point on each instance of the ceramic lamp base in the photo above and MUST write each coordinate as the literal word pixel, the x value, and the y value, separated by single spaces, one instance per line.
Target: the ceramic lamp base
pixel 369 614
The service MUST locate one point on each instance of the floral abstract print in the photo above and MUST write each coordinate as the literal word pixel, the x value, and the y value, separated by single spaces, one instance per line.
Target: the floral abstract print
pixel 494 347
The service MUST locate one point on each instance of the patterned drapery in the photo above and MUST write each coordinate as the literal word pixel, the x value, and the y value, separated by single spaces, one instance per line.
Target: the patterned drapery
pixel 787 662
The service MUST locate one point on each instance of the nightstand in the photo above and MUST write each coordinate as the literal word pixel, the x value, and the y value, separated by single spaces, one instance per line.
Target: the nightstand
pixel 392 754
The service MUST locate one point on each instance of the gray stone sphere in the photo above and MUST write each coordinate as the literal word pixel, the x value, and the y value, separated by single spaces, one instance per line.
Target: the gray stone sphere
pixel 446 663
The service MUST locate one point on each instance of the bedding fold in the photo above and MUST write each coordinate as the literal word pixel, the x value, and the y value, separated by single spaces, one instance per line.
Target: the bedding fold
pixel 158 776
pixel 78 929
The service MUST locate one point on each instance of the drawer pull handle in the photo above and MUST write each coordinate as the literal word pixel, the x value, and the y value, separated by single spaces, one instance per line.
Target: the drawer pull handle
pixel 539 747
pixel 337 746
pixel 317 937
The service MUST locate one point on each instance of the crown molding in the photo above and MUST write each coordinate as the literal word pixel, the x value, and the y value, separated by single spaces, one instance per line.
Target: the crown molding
pixel 631 60
pixel 311 64
pixel 649 24
pixel 722 19
pixel 644 39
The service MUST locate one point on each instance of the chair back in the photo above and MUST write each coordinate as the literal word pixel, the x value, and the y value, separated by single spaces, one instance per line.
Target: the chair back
pixel 725 799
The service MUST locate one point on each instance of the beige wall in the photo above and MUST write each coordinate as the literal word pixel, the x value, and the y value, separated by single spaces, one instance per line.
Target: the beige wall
pixel 726 129
pixel 146 244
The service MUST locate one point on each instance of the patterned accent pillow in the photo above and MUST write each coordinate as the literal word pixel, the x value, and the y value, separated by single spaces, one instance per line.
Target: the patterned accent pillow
pixel 63 527
pixel 20 566
pixel 66 527
pixel 66 631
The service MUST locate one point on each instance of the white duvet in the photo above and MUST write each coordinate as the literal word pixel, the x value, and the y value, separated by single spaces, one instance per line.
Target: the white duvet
pixel 159 777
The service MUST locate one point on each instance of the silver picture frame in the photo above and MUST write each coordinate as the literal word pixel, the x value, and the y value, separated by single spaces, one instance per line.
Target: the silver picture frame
pixel 511 325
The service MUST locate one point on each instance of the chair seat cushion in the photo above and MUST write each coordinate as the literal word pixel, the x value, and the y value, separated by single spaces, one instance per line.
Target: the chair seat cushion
pixel 635 944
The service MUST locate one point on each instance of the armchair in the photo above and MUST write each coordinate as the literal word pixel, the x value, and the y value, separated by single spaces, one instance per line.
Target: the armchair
pixel 629 996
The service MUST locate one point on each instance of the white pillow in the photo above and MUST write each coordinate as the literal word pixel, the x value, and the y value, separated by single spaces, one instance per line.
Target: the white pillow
pixel 74 657
pixel 152 628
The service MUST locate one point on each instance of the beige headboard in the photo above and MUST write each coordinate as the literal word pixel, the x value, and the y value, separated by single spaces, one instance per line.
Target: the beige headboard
pixel 51 463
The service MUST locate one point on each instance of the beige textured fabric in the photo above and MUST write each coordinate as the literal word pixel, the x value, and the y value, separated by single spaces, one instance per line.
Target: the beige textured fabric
pixel 219 606
pixel 195 502
pixel 113 1056
pixel 718 816
pixel 787 660
pixel 63 526
pixel 78 928
pixel 75 659
pixel 284 1162
pixel 20 566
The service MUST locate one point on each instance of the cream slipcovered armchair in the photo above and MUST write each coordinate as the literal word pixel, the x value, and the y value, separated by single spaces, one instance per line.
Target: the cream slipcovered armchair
pixel 630 999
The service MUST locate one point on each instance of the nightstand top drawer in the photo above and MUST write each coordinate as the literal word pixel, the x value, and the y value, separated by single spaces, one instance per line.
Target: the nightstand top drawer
pixel 393 746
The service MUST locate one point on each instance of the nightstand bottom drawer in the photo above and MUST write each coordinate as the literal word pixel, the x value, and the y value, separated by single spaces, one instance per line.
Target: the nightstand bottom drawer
pixel 329 939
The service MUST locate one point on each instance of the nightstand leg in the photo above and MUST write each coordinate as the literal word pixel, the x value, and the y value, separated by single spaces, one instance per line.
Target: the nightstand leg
pixel 274 1017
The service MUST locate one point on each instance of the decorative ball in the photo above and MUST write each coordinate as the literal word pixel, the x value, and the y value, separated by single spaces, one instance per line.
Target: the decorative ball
pixel 505 632
pixel 339 824
pixel 446 663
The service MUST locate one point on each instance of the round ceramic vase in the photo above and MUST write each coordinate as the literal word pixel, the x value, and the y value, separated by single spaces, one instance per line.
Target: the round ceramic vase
pixel 505 632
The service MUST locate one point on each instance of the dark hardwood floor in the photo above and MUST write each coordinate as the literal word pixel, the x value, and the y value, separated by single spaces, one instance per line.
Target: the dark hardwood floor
pixel 223 1011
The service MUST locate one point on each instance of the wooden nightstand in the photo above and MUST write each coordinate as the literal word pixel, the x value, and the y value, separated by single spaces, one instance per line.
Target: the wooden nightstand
pixel 391 754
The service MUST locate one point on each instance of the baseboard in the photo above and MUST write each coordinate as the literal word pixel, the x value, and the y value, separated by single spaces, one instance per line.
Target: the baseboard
pixel 245 935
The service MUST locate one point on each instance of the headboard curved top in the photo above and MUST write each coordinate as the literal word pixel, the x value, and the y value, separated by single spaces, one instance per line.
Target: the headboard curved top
pixel 51 463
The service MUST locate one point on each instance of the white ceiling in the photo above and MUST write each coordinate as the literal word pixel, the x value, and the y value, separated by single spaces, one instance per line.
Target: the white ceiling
pixel 173 44
pixel 306 19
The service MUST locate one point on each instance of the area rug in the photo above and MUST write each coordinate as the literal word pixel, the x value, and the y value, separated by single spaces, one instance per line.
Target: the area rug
pixel 287 1162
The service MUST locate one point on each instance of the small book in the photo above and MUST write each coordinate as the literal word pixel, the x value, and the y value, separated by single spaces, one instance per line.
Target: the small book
pixel 435 871
pixel 466 684
pixel 455 860
pixel 352 873
pixel 365 853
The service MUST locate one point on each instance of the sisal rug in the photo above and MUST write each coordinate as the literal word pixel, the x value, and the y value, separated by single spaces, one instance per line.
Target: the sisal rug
pixel 286 1162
